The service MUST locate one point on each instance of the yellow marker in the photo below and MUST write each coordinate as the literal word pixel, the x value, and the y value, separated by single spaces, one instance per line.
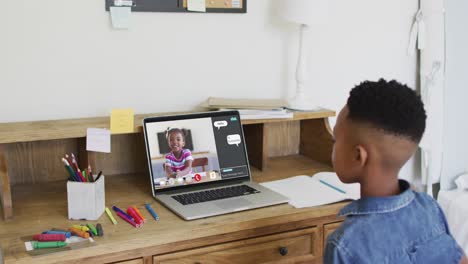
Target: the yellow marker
pixel 139 214
pixel 109 213
pixel 80 227
pixel 122 121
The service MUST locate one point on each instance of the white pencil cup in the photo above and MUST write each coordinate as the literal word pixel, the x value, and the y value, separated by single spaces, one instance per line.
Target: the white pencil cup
pixel 86 200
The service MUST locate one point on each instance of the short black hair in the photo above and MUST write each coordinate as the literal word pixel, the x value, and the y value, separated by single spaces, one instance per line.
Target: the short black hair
pixel 170 131
pixel 391 106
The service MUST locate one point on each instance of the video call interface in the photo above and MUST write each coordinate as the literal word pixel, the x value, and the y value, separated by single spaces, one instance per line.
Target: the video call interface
pixel 194 151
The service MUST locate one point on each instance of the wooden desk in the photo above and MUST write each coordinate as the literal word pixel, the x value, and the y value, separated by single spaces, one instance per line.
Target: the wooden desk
pixel 33 183
pixel 30 152
pixel 236 237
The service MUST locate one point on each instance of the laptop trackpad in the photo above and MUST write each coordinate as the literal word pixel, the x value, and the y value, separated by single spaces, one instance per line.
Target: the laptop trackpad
pixel 233 203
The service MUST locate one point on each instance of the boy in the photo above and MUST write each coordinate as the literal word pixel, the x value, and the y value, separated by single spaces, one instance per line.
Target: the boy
pixel 376 133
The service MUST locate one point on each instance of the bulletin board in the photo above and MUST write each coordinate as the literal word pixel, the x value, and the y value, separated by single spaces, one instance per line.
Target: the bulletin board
pixel 212 6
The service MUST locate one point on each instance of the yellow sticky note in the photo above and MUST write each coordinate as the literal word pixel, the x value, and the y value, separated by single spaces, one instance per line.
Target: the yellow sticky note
pixel 122 121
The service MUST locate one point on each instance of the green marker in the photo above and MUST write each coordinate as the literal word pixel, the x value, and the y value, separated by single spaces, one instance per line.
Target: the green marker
pixel 84 175
pixel 92 228
pixel 52 244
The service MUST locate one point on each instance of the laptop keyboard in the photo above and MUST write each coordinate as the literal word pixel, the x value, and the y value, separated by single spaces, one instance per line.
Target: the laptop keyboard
pixel 215 194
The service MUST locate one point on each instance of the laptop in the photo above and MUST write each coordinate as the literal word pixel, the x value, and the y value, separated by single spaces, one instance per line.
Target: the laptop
pixel 199 167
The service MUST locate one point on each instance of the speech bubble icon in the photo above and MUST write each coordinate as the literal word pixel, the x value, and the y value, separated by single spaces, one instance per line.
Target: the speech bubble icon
pixel 234 139
pixel 219 124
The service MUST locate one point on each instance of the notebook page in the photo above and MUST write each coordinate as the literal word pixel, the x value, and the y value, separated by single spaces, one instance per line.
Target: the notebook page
pixel 353 190
pixel 304 191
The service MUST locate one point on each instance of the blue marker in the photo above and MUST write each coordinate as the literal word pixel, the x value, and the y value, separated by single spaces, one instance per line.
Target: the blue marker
pixel 152 212
pixel 331 186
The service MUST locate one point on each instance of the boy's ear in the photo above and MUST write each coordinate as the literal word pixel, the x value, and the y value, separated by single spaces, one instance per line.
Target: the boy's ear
pixel 361 155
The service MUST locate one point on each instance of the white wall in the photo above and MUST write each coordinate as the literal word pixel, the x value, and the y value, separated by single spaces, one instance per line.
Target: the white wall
pixel 456 92
pixel 61 59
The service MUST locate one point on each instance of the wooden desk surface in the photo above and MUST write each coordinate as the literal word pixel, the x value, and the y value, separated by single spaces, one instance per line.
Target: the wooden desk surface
pixel 43 206
pixel 76 128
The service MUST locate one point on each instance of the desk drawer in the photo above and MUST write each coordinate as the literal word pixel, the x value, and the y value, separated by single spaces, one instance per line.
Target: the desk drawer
pixel 133 261
pixel 328 229
pixel 302 245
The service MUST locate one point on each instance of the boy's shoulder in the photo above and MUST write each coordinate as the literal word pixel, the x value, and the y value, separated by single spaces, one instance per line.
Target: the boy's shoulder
pixel 419 207
pixel 388 229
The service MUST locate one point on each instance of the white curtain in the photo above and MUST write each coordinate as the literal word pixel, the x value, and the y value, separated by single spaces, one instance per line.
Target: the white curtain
pixel 428 37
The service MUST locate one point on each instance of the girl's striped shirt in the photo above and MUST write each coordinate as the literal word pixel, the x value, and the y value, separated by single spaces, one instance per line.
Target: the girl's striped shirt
pixel 178 164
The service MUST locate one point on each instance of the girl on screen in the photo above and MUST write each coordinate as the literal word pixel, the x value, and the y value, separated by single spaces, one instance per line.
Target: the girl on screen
pixel 179 161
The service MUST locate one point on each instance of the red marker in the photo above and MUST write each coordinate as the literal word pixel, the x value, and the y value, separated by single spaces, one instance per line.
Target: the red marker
pixel 197 177
pixel 49 237
pixel 135 216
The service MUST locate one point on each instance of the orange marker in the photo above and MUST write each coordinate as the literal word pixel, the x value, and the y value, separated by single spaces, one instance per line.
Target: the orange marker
pixel 138 213
pixel 78 232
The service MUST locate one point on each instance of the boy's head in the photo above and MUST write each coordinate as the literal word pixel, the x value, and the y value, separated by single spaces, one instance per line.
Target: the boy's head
pixel 378 130
pixel 176 139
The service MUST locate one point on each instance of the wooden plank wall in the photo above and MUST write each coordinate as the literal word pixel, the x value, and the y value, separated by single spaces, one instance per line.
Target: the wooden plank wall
pixel 39 161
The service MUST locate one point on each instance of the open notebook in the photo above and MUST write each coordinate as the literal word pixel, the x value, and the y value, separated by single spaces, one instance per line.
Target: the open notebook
pixel 319 189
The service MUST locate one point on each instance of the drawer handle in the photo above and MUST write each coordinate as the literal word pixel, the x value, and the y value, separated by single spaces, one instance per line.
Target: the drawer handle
pixel 283 251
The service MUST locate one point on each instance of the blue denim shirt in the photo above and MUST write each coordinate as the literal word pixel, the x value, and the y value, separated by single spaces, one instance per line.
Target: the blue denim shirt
pixel 406 228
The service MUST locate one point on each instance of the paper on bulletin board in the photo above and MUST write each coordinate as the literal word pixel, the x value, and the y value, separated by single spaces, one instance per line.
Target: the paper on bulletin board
pixel 236 3
pixel 98 139
pixel 122 121
pixel 196 5
pixel 120 16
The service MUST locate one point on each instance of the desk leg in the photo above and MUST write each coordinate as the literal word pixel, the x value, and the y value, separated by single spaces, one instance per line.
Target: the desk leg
pixel 5 181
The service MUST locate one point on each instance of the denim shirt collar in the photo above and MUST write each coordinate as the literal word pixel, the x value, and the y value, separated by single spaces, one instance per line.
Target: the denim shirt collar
pixel 376 205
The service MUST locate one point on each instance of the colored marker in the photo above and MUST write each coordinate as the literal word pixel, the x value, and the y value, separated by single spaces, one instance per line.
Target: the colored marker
pixel 84 175
pixel 128 220
pixel 139 213
pixel 90 174
pixel 100 231
pixel 331 186
pixel 109 214
pixel 49 237
pixel 79 233
pixel 66 233
pixel 133 214
pixel 80 227
pixel 56 244
pixel 152 212
pixel 118 210
pixel 92 228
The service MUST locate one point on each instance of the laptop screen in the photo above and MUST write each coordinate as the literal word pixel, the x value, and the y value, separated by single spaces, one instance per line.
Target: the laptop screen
pixel 194 149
